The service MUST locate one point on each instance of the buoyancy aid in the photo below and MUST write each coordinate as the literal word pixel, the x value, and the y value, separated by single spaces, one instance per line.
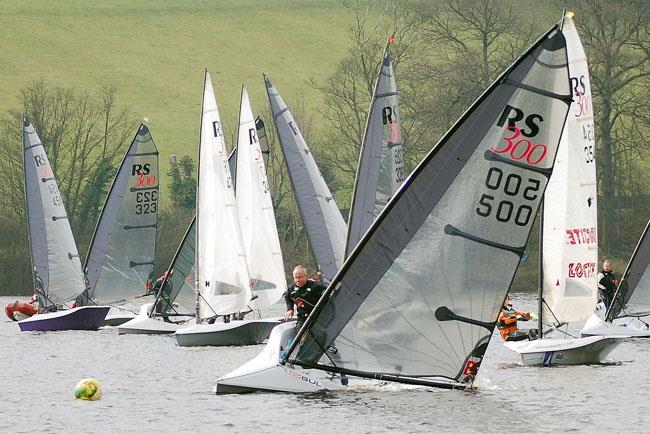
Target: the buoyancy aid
pixel 507 321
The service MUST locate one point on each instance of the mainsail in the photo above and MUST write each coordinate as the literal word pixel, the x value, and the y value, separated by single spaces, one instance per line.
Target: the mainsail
pixel 256 216
pixel 55 261
pixel 418 298
pixel 634 289
pixel 223 281
pixel 570 238
pixel 380 169
pixel 122 251
pixel 323 222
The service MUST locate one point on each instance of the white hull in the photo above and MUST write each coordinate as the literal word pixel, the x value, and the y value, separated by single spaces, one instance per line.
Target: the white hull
pixel 143 324
pixel 265 373
pixel 622 326
pixel 235 332
pixel 117 316
pixel 554 352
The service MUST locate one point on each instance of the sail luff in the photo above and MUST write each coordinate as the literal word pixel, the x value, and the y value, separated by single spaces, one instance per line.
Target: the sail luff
pixel 379 170
pixel 321 217
pixel 384 312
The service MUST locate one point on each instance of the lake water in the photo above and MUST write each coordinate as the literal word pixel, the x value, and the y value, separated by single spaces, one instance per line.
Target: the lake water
pixel 152 385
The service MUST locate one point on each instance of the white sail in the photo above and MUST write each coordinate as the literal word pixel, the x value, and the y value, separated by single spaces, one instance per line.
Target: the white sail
pixel 570 243
pixel 223 272
pixel 256 216
pixel 55 259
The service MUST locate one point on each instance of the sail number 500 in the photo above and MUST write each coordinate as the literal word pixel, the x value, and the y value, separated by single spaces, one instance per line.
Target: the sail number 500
pixel 505 211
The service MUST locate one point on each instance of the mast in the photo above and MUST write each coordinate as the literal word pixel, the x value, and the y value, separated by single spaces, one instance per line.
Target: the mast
pixel 196 237
pixel 540 277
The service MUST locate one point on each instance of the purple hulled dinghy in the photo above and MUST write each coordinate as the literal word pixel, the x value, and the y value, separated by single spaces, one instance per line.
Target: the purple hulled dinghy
pixel 78 318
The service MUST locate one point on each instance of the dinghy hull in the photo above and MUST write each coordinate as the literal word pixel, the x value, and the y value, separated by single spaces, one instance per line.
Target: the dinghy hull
pixel 78 318
pixel 117 316
pixel 556 352
pixel 622 326
pixel 145 325
pixel 235 332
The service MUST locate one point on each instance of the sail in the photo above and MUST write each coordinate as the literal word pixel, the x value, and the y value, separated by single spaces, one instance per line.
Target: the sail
pixel 264 143
pixel 570 240
pixel 222 267
pixel 55 260
pixel 380 169
pixel 121 256
pixel 634 289
pixel 181 296
pixel 323 222
pixel 256 216
pixel 418 299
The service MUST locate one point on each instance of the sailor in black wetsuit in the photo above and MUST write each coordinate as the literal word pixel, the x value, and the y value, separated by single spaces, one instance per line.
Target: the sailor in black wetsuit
pixel 607 283
pixel 304 294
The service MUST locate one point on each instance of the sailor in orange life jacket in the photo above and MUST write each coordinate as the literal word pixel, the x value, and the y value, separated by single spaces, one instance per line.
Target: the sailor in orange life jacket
pixel 507 322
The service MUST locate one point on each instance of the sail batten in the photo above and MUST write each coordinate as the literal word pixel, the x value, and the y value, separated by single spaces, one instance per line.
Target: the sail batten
pixel 420 294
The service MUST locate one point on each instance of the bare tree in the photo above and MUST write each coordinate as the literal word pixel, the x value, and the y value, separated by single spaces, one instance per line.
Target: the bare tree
pixel 616 36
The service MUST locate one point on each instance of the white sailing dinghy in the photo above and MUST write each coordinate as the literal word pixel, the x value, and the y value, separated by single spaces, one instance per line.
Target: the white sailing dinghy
pixel 463 215
pixel 175 303
pixel 55 261
pixel 321 216
pixel 380 170
pixel 223 280
pixel 569 245
pixel 631 302
pixel 121 256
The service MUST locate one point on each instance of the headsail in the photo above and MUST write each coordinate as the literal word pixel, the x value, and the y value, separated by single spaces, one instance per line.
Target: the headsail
pixel 223 272
pixel 121 256
pixel 256 216
pixel 634 289
pixel 380 169
pixel 55 260
pixel 570 247
pixel 323 222
pixel 418 299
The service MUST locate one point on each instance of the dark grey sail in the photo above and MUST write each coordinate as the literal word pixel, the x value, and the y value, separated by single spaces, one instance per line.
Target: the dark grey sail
pixel 56 266
pixel 632 296
pixel 380 169
pixel 418 299
pixel 177 295
pixel 323 222
pixel 121 256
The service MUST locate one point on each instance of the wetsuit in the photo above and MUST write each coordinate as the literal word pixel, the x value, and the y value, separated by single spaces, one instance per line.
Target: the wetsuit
pixel 606 286
pixel 305 298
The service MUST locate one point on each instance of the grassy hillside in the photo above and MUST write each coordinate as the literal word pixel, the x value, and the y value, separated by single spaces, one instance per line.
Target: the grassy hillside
pixel 154 54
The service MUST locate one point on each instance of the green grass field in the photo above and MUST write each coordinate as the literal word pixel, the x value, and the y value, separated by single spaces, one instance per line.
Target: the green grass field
pixel 154 53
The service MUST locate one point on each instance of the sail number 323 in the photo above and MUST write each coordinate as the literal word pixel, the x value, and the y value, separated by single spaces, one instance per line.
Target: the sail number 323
pixel 146 202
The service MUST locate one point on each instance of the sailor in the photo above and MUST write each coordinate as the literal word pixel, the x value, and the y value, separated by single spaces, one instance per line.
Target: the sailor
pixel 507 323
pixel 304 294
pixel 166 292
pixel 607 283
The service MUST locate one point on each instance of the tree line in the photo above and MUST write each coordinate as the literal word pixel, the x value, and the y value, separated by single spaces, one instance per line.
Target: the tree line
pixel 445 54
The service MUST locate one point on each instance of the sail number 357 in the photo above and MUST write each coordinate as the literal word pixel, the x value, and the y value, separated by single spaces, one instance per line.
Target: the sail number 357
pixel 505 210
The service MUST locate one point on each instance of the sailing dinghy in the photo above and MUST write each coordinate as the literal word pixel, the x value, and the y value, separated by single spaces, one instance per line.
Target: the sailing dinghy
pixel 121 256
pixel 223 278
pixel 464 215
pixel 569 244
pixel 631 302
pixel 55 261
pixel 321 217
pixel 380 170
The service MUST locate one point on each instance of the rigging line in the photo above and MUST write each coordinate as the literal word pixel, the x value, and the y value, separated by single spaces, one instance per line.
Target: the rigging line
pixel 551 310
pixel 567 99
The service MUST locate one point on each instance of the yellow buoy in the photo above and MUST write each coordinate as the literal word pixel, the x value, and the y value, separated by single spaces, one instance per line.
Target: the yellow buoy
pixel 88 389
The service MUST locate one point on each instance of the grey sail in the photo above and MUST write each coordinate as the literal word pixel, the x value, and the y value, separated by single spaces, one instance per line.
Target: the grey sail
pixel 181 297
pixel 55 261
pixel 380 168
pixel 264 142
pixel 634 289
pixel 122 251
pixel 323 222
pixel 418 299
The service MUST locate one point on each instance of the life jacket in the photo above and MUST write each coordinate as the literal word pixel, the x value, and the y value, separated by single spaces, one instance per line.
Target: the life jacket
pixel 507 321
